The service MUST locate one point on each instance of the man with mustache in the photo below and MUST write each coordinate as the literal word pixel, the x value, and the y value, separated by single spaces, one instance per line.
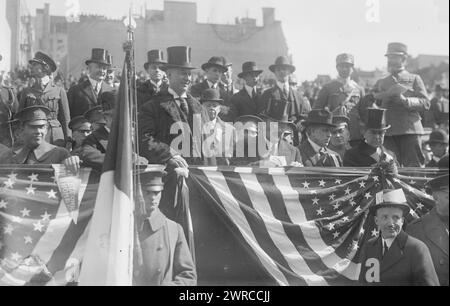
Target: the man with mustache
pixel 147 90
pixel 404 97
pixel 86 95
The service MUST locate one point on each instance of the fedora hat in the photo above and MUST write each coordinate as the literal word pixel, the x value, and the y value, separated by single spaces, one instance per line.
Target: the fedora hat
pixel 391 198
pixel 154 57
pixel 211 95
pixel 249 68
pixel 282 61
pixel 397 48
pixel 34 115
pixel 376 119
pixel 178 57
pixel 99 56
pixel 216 61
pixel 319 117
pixel 438 136
pixel 44 59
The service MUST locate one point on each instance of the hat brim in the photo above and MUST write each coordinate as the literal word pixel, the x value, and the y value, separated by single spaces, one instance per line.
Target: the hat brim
pixel 396 53
pixel 403 206
pixel 378 129
pixel 290 67
pixel 243 74
pixel 255 119
pixel 170 66
pixel 209 65
pixel 97 62
pixel 153 187
pixel 51 65
pixel 146 65
pixel 309 123
pixel 36 122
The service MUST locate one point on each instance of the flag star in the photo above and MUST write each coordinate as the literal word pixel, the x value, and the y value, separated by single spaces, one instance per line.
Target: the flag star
pixel 13 176
pixel 331 226
pixel 412 182
pixel 16 219
pixel 332 196
pixel 423 190
pixel 46 217
pixel 30 190
pixel 352 202
pixel 322 183
pixel 313 191
pixel 28 240
pixel 345 219
pixel 38 226
pixel 25 212
pixel 336 205
pixel 362 231
pixel 9 184
pixel 375 179
pixel 413 213
pixel 33 177
pixel 335 234
pixel 315 201
pixel 8 229
pixel 348 190
pixel 419 205
pixel 367 195
pixel 16 256
pixel 305 185
pixel 355 246
pixel 320 211
pixel 340 213
pixel 362 184
pixel 3 204
pixel 374 232
pixel 51 194
pixel 358 209
pixel 396 180
pixel 338 182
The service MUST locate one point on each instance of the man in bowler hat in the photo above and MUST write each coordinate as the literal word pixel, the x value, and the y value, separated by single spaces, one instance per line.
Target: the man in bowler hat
pixel 432 228
pixel 147 90
pixel 405 98
pixel 81 128
pixel 395 258
pixel 439 146
pixel 340 135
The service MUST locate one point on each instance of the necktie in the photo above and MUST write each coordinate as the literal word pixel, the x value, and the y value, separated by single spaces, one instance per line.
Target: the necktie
pixel 285 90
pixel 254 93
pixel 184 106
pixel 385 249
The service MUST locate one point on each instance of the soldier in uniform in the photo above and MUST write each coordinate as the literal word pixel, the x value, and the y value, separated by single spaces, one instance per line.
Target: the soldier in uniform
pixel 282 97
pixel 372 150
pixel 45 92
pixel 166 258
pixel 395 258
pixel 340 135
pixel 314 150
pixel 432 229
pixel 246 101
pixel 342 95
pixel 405 97
pixel 81 128
pixel 439 146
pixel 147 90
pixel 87 94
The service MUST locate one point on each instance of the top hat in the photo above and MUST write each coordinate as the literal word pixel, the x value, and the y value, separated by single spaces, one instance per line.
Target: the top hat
pixel 79 123
pixel 95 115
pixel 397 48
pixel 438 136
pixel 44 59
pixel 34 115
pixel 249 68
pixel 109 59
pixel 376 119
pixel 152 177
pixel 391 198
pixel 345 58
pixel 319 117
pixel 438 183
pixel 216 61
pixel 211 95
pixel 154 57
pixel 179 57
pixel 99 56
pixel 282 61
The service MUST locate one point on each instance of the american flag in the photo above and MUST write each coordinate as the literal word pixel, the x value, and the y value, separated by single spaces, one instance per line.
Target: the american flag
pixel 40 244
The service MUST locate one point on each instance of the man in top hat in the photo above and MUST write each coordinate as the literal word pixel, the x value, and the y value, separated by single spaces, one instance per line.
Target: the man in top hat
pixel 167 260
pixel 282 98
pixel 404 97
pixel 81 128
pixel 439 146
pixel 147 90
pixel 314 150
pixel 247 100
pixel 110 78
pixel 340 135
pixel 437 115
pixel 45 92
pixel 219 140
pixel 432 228
pixel 372 150
pixel 87 94
pixel 395 258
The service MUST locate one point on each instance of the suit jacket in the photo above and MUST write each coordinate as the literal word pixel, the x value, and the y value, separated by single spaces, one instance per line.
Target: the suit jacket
pixel 363 155
pixel 311 159
pixel 404 119
pixel 93 149
pixel 242 104
pixel 293 104
pixel 438 112
pixel 407 263
pixel 167 260
pixel 291 153
pixel 431 230
pixel 55 98
pixel 226 111
pixel 45 154
pixel 156 118
pixel 8 107
pixel 82 97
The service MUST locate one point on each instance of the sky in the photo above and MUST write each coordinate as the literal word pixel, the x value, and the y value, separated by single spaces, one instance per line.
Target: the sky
pixel 316 30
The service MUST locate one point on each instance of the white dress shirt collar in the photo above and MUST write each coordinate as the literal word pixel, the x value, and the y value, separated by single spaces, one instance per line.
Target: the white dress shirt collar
pixel 175 95
pixel 212 85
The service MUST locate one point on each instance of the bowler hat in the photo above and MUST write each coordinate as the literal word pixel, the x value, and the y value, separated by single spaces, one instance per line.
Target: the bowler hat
pixel 79 123
pixel 215 61
pixel 391 198
pixel 34 115
pixel 345 58
pixel 211 95
pixel 44 59
pixel 319 117
pixel 152 177
pixel 376 119
pixel 249 68
pixel 397 48
pixel 95 115
pixel 179 57
pixel 99 56
pixel 438 136
pixel 282 61
pixel 438 183
pixel 154 57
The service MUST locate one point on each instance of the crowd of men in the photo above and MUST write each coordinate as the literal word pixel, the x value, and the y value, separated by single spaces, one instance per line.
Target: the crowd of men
pixel 344 126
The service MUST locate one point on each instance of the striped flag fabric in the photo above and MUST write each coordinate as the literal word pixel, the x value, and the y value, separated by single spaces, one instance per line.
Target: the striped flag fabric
pixel 108 259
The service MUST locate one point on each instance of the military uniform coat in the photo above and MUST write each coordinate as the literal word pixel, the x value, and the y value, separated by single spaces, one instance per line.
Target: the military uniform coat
pixel 404 119
pixel 167 260
pixel 8 107
pixel 82 97
pixel 364 155
pixel 311 159
pixel 93 149
pixel 407 262
pixel 45 154
pixel 432 231
pixel 242 104
pixel 55 98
